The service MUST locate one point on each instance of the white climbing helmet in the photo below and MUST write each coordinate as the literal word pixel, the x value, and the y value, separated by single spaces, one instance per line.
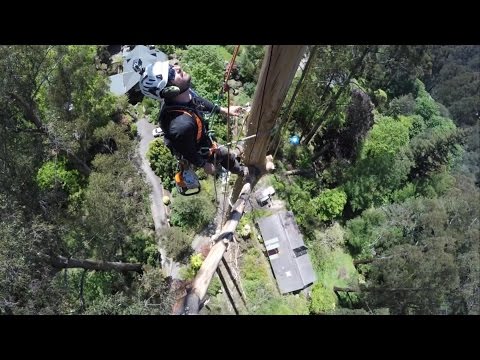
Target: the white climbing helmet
pixel 153 79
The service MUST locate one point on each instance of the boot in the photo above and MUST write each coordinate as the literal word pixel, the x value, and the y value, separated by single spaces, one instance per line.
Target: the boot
pixel 250 171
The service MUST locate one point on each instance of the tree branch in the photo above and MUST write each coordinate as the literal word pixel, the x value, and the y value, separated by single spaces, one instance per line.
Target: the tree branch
pixel 61 262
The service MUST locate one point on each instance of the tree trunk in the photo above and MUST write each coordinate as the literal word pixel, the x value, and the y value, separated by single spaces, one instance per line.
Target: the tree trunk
pixel 314 113
pixel 285 119
pixel 61 262
pixel 364 261
pixel 209 266
pixel 278 69
pixel 356 69
pixel 345 289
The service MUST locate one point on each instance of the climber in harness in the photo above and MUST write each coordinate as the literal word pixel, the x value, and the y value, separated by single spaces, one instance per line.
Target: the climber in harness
pixel 185 131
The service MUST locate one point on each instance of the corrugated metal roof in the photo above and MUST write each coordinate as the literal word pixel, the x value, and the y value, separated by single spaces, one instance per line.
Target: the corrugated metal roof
pixel 292 273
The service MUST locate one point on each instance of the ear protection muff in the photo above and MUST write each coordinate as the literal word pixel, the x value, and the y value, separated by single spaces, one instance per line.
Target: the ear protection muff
pixel 170 92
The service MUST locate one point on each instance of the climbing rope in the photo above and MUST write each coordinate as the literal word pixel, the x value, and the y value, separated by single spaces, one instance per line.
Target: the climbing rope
pixel 226 89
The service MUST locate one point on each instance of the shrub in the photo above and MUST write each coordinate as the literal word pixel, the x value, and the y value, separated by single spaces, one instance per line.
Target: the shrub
pixel 323 299
pixel 192 213
pixel 177 243
pixel 162 163
pixel 329 204
pixel 54 174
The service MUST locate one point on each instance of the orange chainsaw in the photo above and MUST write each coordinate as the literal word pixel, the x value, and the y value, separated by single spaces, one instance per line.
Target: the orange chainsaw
pixel 186 180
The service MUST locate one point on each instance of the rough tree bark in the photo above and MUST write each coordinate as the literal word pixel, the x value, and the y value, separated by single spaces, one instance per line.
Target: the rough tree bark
pixel 278 69
pixel 61 262
pixel 286 117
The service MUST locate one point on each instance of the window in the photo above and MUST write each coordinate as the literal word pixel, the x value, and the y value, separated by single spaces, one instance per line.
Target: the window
pixel 272 252
pixel 302 250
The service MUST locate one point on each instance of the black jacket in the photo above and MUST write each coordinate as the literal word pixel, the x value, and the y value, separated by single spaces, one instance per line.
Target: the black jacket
pixel 181 129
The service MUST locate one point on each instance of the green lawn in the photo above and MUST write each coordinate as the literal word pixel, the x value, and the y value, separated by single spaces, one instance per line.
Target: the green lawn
pixel 337 270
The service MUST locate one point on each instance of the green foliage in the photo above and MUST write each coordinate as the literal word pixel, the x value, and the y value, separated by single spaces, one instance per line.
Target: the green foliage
pixel 162 162
pixel 362 231
pixel 285 305
pixel 243 97
pixel 332 267
pixel 196 261
pixel 417 127
pixel 214 287
pixel 76 99
pixel 246 226
pixel 456 67
pixel 250 62
pixel 205 65
pixel 403 105
pixel 323 299
pixel 224 52
pixel 133 130
pixel 329 204
pixel 383 166
pixel 440 123
pixel 142 248
pixel 421 250
pixel 148 295
pixel 115 198
pixel 425 106
pixel 188 273
pixel 380 98
pixel 249 88
pixel 386 138
pixel 192 213
pixel 394 68
pixel 177 243
pixel 434 150
pixel 54 174
pixel 97 284
pixel 245 231
pixel 167 49
pixel 257 282
pixel 331 238
pixel 64 108
pixel 435 185
pixel 298 156
pixel 400 195
pixel 297 195
pixel 152 109
pixel 26 286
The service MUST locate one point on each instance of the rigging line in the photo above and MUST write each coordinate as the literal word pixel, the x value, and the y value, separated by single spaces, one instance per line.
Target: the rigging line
pixel 226 88
pixel 215 180
pixel 212 117
pixel 228 157
pixel 230 66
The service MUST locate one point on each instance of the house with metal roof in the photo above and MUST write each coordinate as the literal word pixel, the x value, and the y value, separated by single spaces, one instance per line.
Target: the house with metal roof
pixel 123 83
pixel 287 252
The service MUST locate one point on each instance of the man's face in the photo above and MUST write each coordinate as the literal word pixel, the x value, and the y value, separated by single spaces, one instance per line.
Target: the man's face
pixel 182 79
